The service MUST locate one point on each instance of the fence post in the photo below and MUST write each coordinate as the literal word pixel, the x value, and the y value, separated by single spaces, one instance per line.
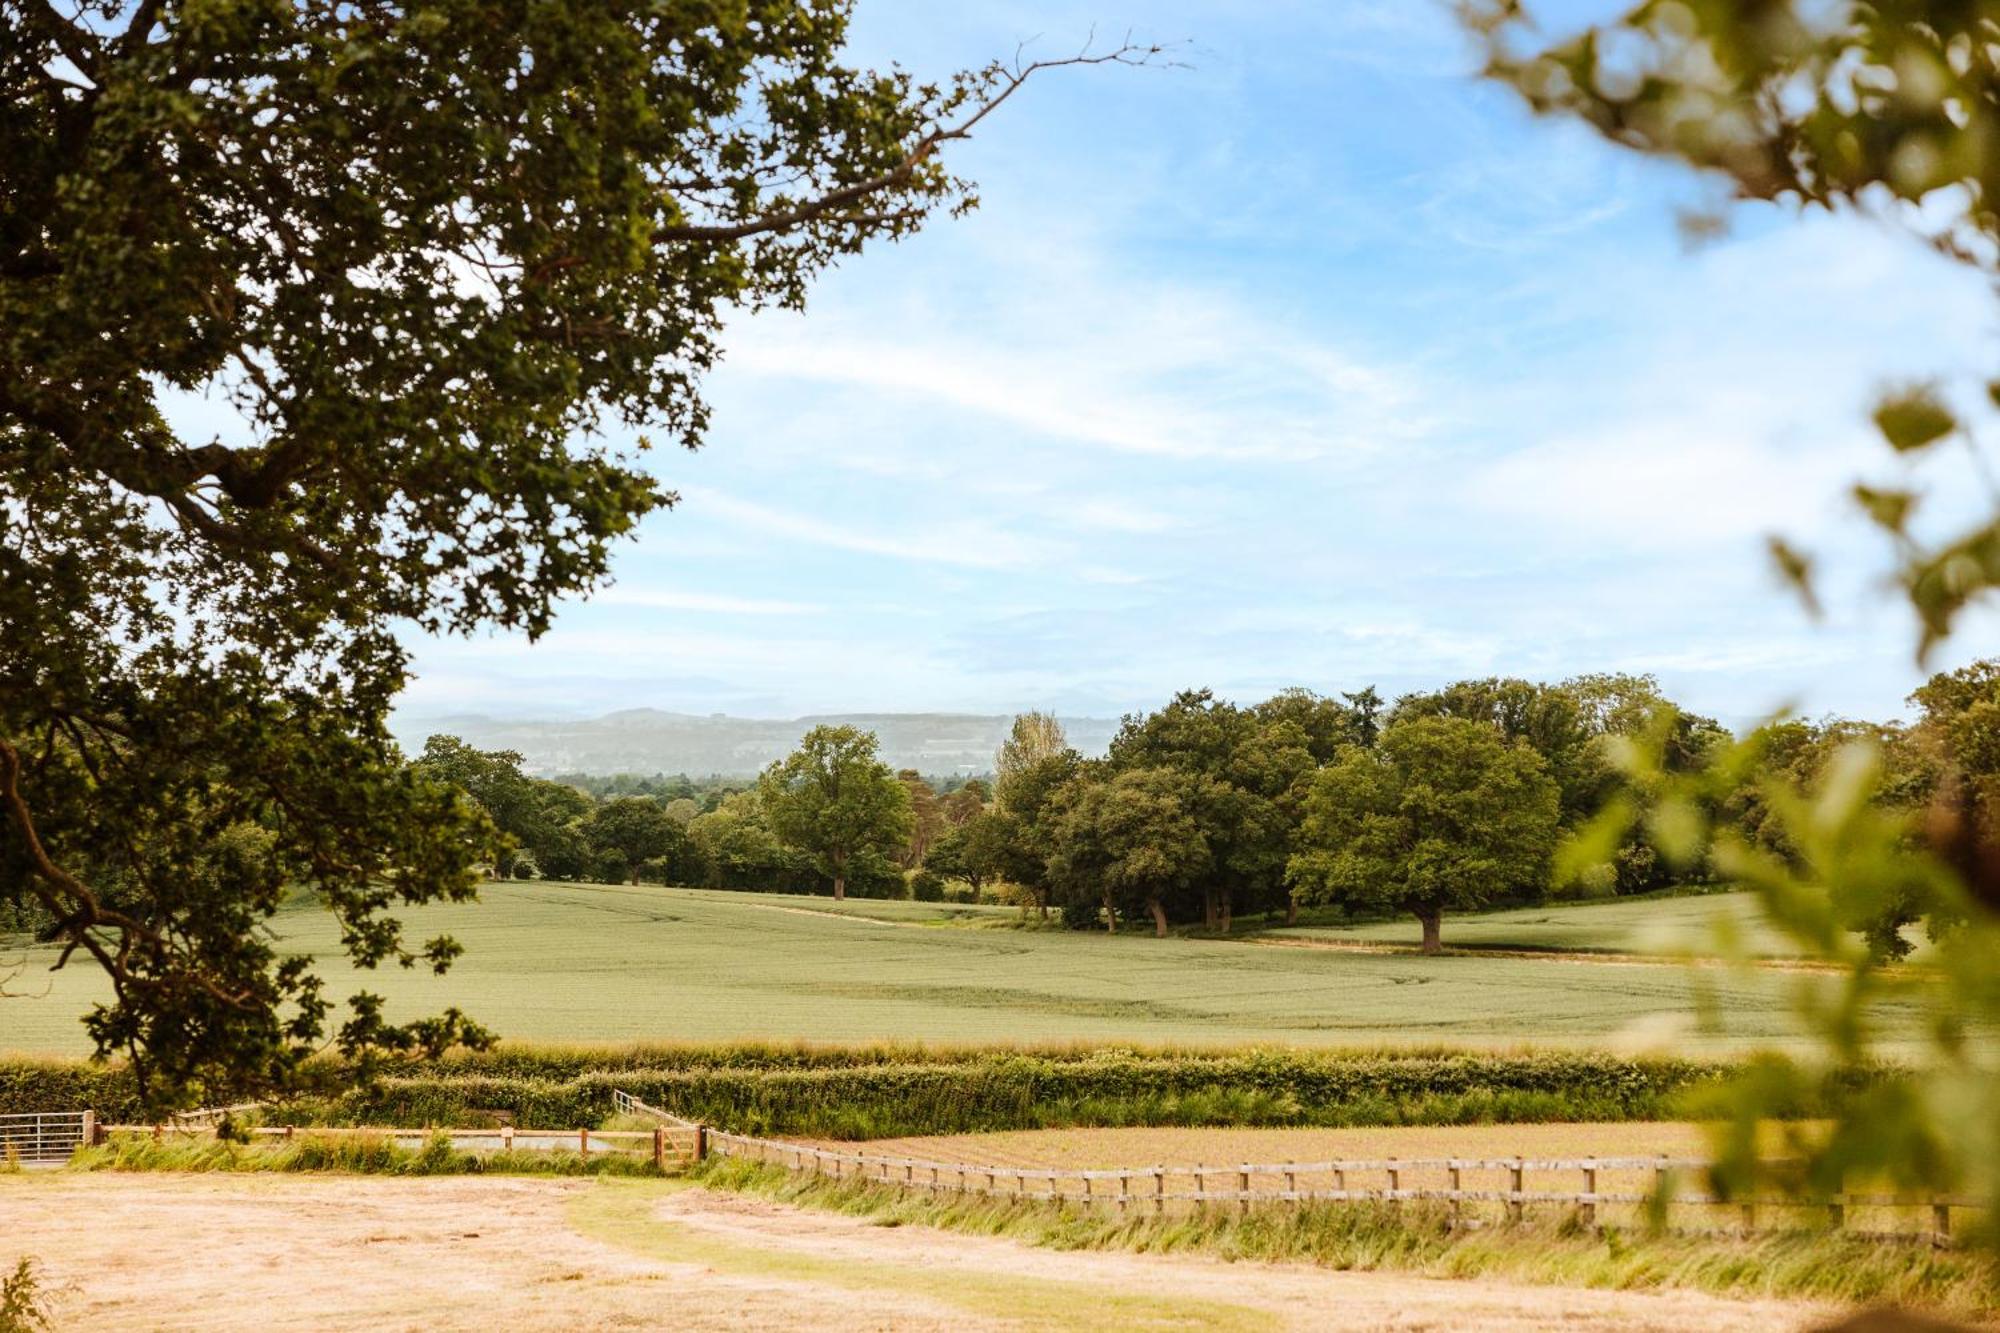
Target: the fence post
pixel 1159 1189
pixel 583 1144
pixel 1200 1188
pixel 700 1142
pixel 1514 1188
pixel 1340 1181
pixel 1750 1215
pixel 659 1147
pixel 1457 1202
pixel 1124 1195
pixel 507 1138
pixel 1836 1211
pixel 1588 1212
pixel 1940 1221
pixel 1395 1180
pixel 1243 1188
pixel 288 1133
pixel 89 1138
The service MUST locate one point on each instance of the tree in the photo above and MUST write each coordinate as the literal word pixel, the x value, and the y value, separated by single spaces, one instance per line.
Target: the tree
pixel 1442 815
pixel 1546 717
pixel 1018 834
pixel 1327 725
pixel 428 255
pixel 1123 843
pixel 1032 738
pixel 633 830
pixel 834 800
pixel 975 851
pixel 737 849
pixel 494 782
pixel 1243 770
pixel 968 800
pixel 927 818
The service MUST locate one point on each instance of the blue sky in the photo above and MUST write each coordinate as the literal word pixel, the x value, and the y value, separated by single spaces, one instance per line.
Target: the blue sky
pixel 1318 362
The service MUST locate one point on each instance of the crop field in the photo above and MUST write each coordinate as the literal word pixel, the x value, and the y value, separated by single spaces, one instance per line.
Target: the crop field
pixel 585 963
pixel 1660 926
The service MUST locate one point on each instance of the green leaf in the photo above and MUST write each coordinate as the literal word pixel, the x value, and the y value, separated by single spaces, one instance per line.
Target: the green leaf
pixel 1913 418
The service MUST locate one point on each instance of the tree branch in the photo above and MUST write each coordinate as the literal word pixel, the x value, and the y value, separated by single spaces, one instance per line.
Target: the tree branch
pixel 1127 53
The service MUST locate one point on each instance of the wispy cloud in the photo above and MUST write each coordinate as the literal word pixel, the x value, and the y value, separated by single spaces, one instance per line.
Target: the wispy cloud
pixel 973 545
pixel 662 599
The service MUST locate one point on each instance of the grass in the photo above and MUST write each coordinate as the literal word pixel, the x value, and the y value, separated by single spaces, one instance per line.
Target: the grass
pixel 621 1214
pixel 1663 926
pixel 362 1154
pixel 1552 1250
pixel 617 963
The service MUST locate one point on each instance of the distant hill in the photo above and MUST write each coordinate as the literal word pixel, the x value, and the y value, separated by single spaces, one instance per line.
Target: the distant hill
pixel 647 740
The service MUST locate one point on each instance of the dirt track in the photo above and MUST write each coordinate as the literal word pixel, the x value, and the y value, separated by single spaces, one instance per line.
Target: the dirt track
pixel 278 1252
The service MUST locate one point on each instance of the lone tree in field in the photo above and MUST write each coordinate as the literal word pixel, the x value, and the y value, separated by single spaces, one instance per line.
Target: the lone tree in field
pixel 834 800
pixel 429 255
pixel 1443 814
pixel 633 830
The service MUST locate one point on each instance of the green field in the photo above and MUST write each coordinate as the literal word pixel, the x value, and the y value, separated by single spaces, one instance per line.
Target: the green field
pixel 1664 926
pixel 566 962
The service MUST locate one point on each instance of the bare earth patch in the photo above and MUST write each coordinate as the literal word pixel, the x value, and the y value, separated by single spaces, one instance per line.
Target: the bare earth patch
pixel 277 1252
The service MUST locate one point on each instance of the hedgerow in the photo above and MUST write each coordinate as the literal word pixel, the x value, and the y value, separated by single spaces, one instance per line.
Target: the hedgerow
pixel 872 1091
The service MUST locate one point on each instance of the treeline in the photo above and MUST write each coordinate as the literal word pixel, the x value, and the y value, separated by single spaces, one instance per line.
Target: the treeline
pixel 1444 801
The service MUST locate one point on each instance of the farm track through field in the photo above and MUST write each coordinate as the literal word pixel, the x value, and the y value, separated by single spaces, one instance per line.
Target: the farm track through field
pixel 225 1253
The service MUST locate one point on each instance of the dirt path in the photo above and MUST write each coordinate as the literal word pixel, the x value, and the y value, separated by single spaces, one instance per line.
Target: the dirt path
pixel 335 1252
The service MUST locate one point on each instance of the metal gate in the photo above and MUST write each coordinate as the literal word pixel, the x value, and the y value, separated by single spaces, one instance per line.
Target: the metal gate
pixel 44 1136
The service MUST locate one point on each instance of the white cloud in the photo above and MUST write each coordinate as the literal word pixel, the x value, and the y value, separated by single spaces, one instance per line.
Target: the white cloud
pixel 970 544
pixel 668 600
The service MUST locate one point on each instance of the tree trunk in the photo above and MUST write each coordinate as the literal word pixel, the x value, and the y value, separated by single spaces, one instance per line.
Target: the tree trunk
pixel 1226 909
pixel 1159 917
pixel 1208 909
pixel 1432 919
pixel 633 866
pixel 1291 909
pixel 1042 903
pixel 839 887
pixel 1110 916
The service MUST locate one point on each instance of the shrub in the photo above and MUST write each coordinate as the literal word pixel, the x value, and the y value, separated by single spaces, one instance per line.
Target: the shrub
pixel 895 1088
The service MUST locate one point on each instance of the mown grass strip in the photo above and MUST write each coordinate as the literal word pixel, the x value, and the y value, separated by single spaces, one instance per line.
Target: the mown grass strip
pixel 623 1213
pixel 1818 1266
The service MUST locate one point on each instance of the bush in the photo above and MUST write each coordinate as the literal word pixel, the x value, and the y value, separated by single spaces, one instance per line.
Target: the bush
pixel 927 886
pixel 895 1089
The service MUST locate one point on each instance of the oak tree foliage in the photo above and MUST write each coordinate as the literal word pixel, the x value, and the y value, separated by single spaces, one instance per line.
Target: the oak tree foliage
pixel 314 321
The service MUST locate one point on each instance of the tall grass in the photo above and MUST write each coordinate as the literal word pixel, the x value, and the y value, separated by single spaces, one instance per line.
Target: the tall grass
pixel 365 1154
pixel 1418 1238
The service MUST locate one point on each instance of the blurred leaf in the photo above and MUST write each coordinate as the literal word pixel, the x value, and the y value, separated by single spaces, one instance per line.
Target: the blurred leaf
pixel 1914 417
pixel 1796 569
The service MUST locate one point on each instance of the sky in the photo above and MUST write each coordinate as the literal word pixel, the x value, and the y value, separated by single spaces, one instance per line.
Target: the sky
pixel 1313 360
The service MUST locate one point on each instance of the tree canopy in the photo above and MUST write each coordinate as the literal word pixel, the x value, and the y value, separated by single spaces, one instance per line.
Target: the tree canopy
pixel 1443 814
pixel 428 257
pixel 834 800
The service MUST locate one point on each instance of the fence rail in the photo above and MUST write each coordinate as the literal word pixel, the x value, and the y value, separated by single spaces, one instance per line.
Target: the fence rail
pixel 45 1136
pixel 1629 1183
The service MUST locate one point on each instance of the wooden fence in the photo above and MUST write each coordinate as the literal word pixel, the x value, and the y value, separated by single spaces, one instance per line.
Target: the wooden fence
pixel 1601 1189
